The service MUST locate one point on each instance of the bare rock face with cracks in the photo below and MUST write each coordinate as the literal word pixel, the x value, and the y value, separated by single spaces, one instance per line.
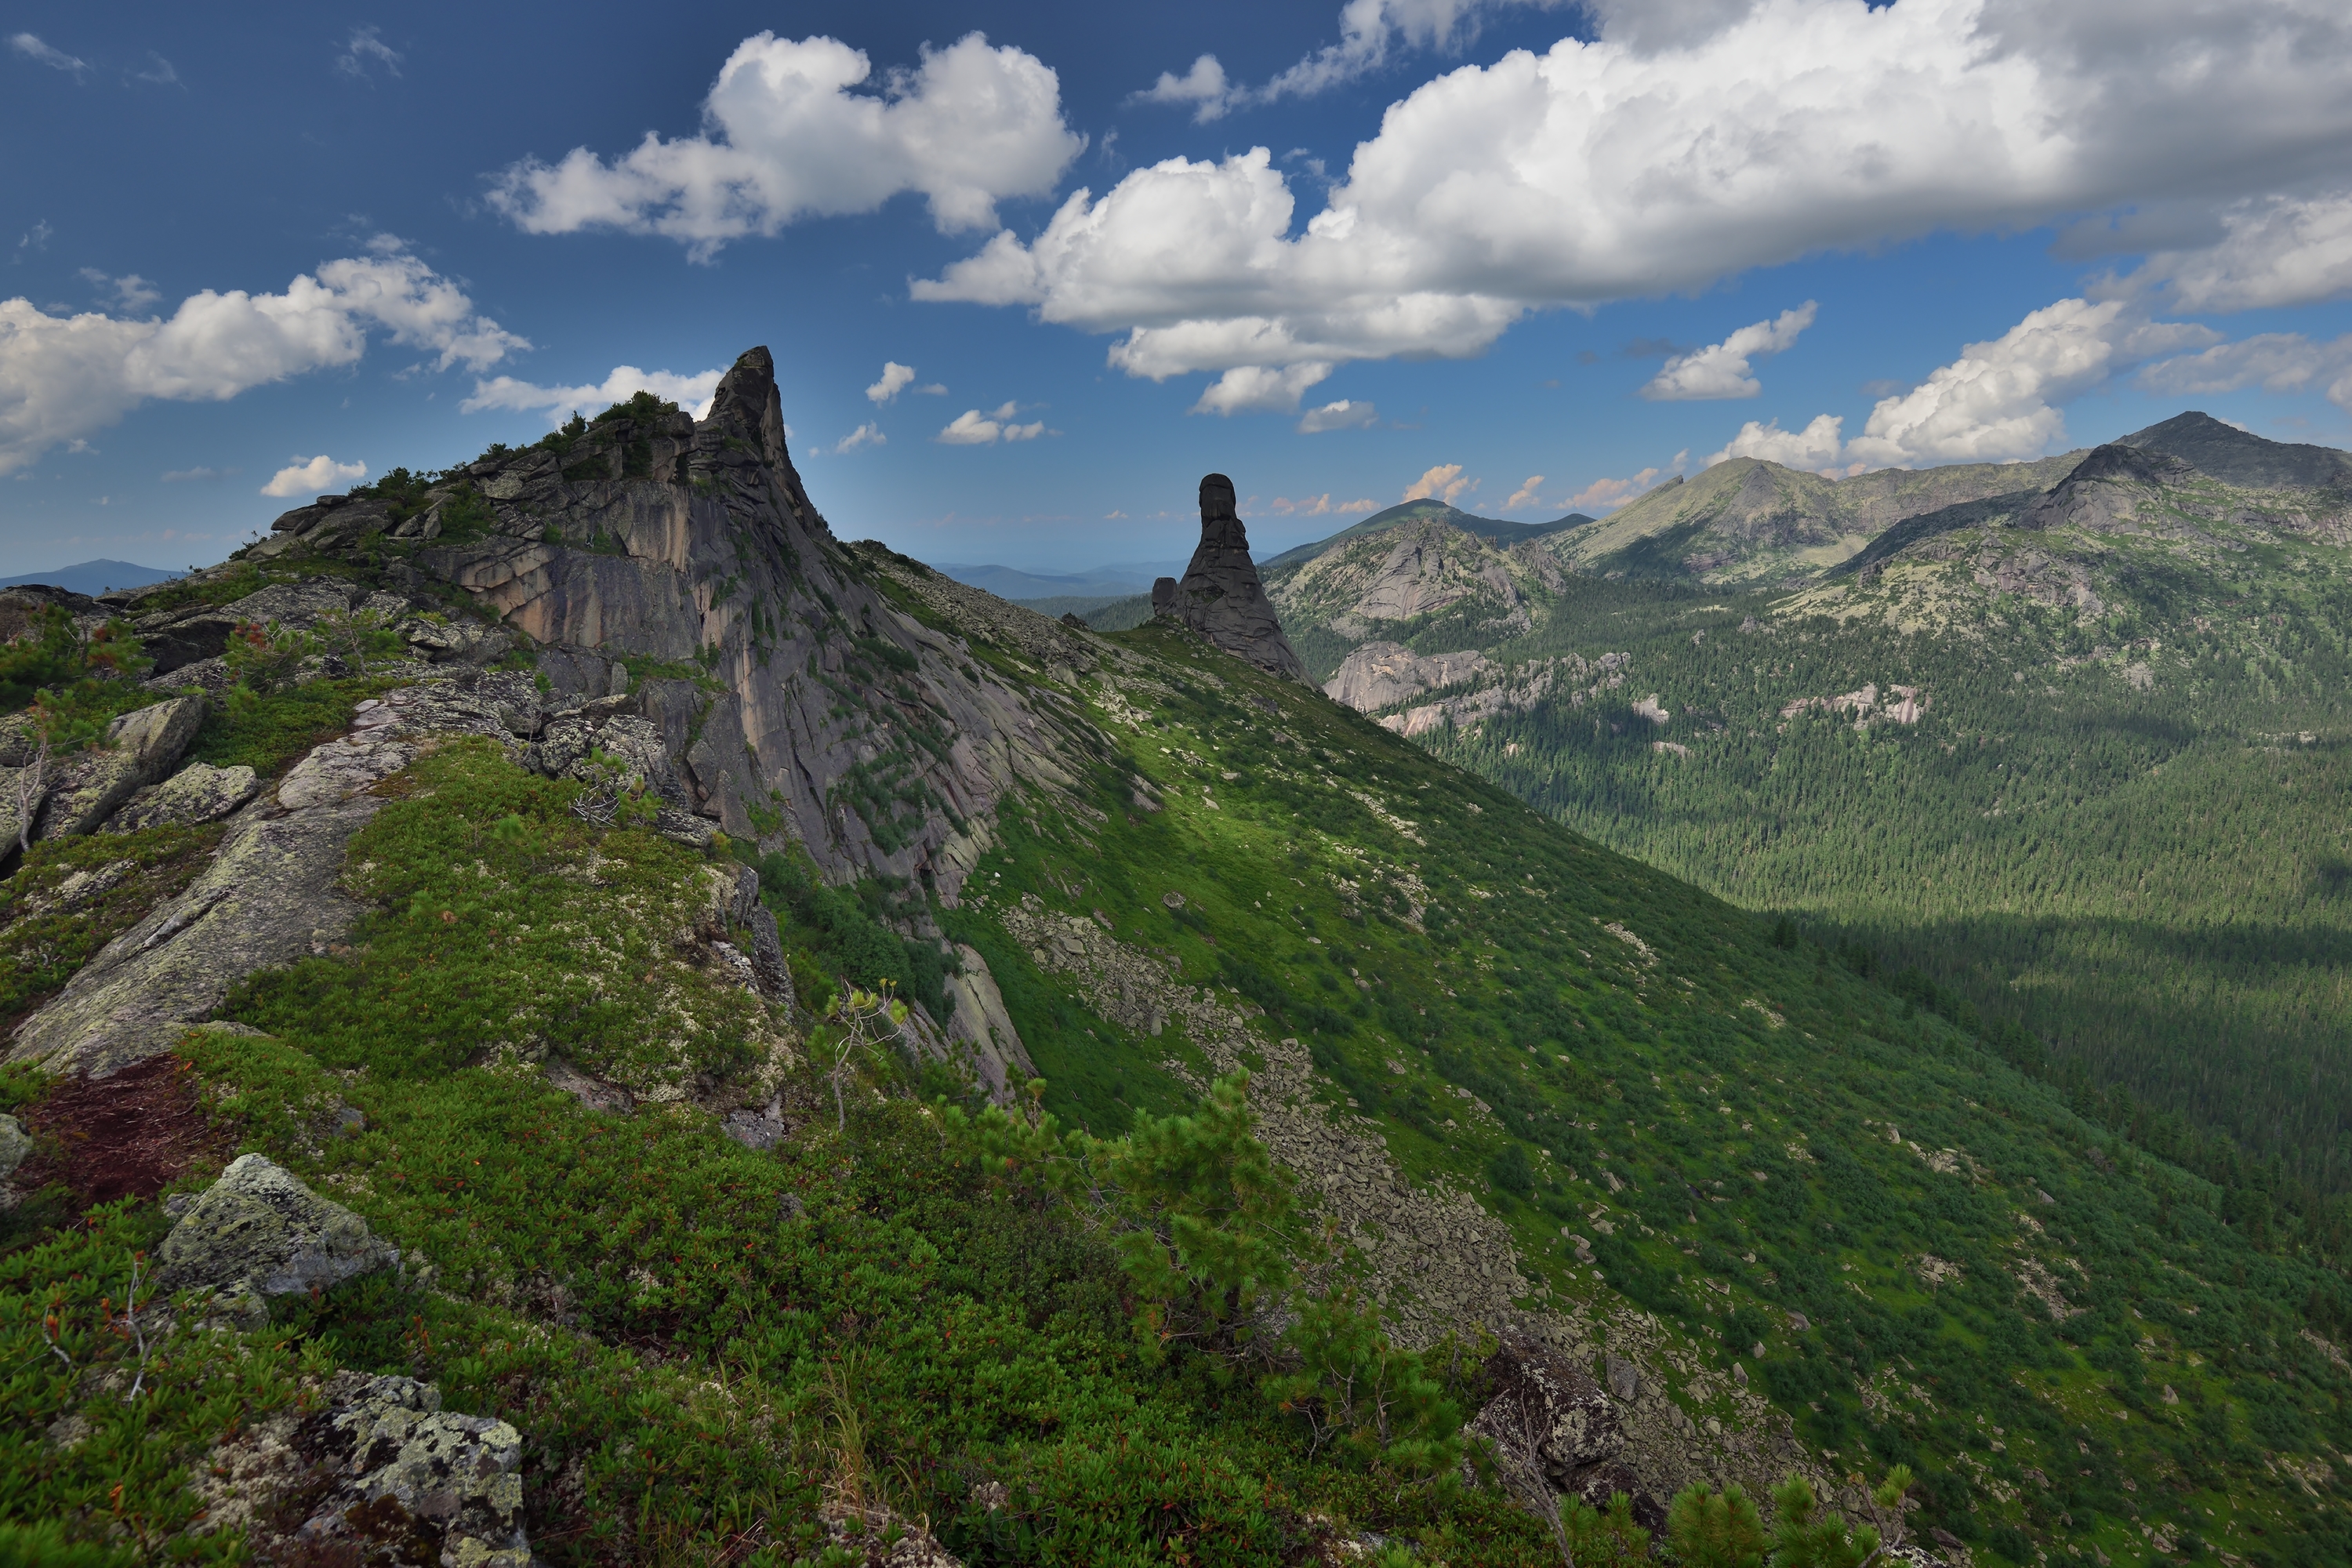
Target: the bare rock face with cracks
pixel 676 540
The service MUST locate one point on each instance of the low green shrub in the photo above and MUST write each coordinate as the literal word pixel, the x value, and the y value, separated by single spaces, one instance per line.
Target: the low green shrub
pixel 45 933
pixel 494 929
pixel 267 732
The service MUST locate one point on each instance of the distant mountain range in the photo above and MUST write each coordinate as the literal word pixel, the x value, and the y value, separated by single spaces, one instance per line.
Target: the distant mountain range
pixel 1101 583
pixel 1748 522
pixel 1494 531
pixel 92 577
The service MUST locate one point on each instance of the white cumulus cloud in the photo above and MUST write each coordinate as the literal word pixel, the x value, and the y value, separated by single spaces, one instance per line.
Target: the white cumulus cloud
pixel 784 137
pixel 63 377
pixel 866 434
pixel 974 428
pixel 1203 87
pixel 312 476
pixel 1260 389
pixel 1526 495
pixel 2275 361
pixel 1819 446
pixel 691 393
pixel 2273 250
pixel 895 377
pixel 1603 495
pixel 1444 483
pixel 1348 414
pixel 2000 401
pixel 1685 144
pixel 1725 369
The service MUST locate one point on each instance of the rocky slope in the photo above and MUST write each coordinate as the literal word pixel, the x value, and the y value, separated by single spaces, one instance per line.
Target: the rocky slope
pixel 1413 573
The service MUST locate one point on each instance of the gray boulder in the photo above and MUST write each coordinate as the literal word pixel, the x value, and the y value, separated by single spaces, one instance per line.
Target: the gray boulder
pixel 1221 597
pixel 196 794
pixel 15 1145
pixel 379 1474
pixel 416 1473
pixel 140 748
pixel 261 1229
pixel 1546 1414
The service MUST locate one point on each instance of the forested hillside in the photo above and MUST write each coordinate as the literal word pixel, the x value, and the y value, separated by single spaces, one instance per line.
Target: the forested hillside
pixel 2082 773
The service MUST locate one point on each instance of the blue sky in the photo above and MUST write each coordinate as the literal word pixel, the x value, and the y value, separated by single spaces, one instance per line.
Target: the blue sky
pixel 1598 244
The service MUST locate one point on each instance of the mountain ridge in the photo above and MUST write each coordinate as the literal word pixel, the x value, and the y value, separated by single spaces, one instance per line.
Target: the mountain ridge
pixel 1494 531
pixel 684 895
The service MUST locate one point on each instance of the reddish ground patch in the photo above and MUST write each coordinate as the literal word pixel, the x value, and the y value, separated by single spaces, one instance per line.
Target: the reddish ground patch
pixel 124 1136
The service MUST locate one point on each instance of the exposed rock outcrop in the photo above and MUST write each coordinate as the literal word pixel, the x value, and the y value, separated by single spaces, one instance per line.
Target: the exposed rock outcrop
pixel 1378 674
pixel 258 1232
pixel 380 1473
pixel 2107 489
pixel 271 893
pixel 15 1145
pixel 651 536
pixel 1221 597
pixel 1569 678
pixel 198 792
pixel 70 795
pixel 978 1024
pixel 1550 1421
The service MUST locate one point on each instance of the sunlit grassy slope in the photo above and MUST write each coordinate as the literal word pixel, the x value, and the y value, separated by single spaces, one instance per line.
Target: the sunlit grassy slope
pixel 2127 840
pixel 1788 1137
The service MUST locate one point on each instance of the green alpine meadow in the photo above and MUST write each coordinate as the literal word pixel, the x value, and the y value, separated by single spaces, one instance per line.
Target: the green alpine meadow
pixel 563 1014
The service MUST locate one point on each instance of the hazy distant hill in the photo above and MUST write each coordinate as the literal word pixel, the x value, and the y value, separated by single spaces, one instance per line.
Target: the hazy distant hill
pixel 93 576
pixel 1101 583
pixel 1750 521
pixel 1493 530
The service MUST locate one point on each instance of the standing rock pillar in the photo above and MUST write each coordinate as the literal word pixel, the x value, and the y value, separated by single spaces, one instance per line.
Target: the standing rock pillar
pixel 1221 597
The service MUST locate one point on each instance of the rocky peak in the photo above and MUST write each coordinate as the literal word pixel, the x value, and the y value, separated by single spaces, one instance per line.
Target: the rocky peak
pixel 647 537
pixel 1221 597
pixel 2099 493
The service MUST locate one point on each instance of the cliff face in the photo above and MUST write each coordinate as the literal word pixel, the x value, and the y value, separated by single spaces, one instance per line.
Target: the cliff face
pixel 654 538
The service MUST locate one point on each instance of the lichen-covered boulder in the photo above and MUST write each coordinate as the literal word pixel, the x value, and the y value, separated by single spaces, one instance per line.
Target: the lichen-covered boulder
pixel 448 1488
pixel 140 748
pixel 379 1473
pixel 260 1228
pixel 196 794
pixel 15 1145
pixel 1546 1414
